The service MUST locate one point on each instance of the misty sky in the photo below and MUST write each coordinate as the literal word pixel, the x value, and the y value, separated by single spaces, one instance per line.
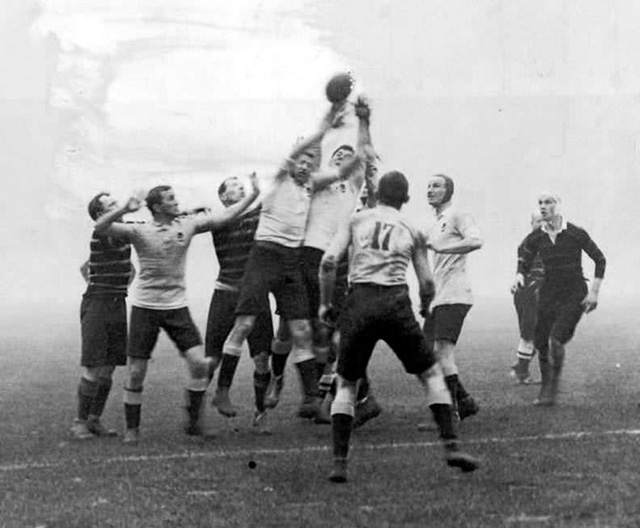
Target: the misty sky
pixel 507 97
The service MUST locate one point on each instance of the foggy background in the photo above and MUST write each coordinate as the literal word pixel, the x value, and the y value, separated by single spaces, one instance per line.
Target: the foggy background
pixel 507 97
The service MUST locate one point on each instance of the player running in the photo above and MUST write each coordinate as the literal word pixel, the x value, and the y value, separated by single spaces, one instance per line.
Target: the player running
pixel 232 243
pixel 563 294
pixel 382 244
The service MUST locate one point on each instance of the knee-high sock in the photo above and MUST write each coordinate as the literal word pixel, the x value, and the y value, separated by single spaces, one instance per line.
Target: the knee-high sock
pixel 102 395
pixel 307 370
pixel 132 407
pixel 87 392
pixel 228 368
pixel 526 350
pixel 342 413
pixel 281 350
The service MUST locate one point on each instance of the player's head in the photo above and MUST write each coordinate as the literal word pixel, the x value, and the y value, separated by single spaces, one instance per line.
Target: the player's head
pixel 439 190
pixel 536 220
pixel 100 204
pixel 340 155
pixel 231 191
pixel 161 200
pixel 393 189
pixel 303 165
pixel 548 205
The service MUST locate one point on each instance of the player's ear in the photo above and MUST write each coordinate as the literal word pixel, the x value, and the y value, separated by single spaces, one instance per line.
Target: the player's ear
pixel 407 198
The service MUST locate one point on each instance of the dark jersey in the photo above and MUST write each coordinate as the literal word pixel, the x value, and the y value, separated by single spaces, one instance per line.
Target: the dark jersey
pixel 232 244
pixel 562 260
pixel 109 266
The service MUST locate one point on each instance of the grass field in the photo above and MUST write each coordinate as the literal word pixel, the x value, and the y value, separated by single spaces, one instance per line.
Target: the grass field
pixel 575 465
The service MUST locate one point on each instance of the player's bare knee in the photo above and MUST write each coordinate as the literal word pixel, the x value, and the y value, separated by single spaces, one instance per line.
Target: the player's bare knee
pixel 300 332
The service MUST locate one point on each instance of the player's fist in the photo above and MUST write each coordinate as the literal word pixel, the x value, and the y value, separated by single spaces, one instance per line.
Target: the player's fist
pixel 327 315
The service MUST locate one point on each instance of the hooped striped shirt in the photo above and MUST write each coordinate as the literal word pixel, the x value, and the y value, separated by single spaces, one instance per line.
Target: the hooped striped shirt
pixel 109 266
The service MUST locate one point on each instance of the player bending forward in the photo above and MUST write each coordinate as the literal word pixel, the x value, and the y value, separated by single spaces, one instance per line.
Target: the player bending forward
pixel 378 307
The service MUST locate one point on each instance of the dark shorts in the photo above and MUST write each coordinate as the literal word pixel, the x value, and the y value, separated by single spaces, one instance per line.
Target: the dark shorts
pixel 276 269
pixel 372 313
pixel 145 326
pixel 558 315
pixel 444 323
pixel 220 322
pixel 103 326
pixel 525 301
pixel 311 259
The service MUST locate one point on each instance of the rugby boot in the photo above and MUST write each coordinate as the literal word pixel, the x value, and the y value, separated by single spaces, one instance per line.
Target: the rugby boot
pixel 545 397
pixel 131 436
pixel 260 423
pixel 95 426
pixel 366 410
pixel 339 472
pixel 223 404
pixel 80 431
pixel 466 463
pixel 272 398
pixel 467 406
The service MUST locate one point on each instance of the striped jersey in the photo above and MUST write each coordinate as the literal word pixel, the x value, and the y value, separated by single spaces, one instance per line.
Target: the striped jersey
pixel 109 266
pixel 232 243
pixel 562 259
pixel 382 244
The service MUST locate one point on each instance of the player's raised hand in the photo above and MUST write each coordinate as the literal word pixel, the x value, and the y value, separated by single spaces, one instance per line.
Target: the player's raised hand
pixel 362 108
pixel 255 187
pixel 135 201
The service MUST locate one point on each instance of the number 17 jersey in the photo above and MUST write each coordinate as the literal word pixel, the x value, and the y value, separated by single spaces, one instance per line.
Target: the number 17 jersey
pixel 382 246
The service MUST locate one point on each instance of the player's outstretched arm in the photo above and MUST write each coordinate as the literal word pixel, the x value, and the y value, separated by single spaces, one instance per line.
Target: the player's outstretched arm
pixel 424 275
pixel 327 273
pixel 106 224
pixel 214 220
pixel 321 179
pixel 334 118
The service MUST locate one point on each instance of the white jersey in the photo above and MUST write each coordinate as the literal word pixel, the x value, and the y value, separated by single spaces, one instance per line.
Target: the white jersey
pixel 330 208
pixel 450 271
pixel 284 214
pixel 383 244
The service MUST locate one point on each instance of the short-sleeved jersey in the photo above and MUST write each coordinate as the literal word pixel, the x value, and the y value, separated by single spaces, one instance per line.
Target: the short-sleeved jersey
pixel 382 246
pixel 162 254
pixel 284 213
pixel 109 266
pixel 329 209
pixel 450 271
pixel 232 243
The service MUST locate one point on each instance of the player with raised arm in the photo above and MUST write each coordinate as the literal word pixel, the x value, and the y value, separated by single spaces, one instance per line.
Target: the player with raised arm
pixel 232 243
pixel 451 237
pixel 382 245
pixel 160 300
pixel 274 262
pixel 103 320
pixel 563 295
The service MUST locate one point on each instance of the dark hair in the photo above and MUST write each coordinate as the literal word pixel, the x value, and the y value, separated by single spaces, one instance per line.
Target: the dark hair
pixel 393 189
pixel 343 147
pixel 448 185
pixel 154 196
pixel 95 205
pixel 223 186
